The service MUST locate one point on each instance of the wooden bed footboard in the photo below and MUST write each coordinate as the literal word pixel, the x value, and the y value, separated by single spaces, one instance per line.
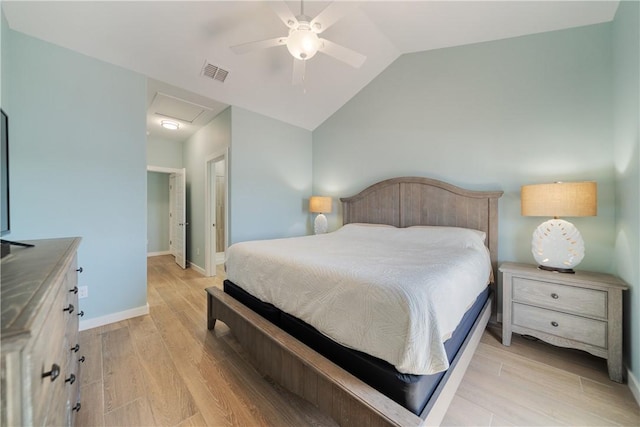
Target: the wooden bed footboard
pixel 303 371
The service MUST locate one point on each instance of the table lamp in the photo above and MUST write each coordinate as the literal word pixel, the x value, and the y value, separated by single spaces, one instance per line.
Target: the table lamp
pixel 557 244
pixel 320 205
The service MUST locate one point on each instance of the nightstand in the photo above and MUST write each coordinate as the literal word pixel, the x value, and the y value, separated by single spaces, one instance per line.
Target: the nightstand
pixel 581 310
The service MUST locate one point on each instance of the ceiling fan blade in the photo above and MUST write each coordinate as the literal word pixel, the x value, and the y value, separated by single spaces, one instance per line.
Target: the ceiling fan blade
pixel 262 44
pixel 284 13
pixel 298 71
pixel 332 14
pixel 342 53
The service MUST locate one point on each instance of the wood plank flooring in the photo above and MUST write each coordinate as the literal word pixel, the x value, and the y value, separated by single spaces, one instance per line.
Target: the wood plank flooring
pixel 167 369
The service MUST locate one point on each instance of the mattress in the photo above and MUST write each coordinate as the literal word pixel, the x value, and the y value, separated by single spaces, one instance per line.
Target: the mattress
pixel 396 294
pixel 411 391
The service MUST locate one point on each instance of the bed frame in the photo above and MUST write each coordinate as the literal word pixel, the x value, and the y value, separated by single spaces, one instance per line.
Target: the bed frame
pixel 401 202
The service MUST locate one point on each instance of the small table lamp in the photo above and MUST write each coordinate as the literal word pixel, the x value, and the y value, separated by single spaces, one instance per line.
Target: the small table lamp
pixel 557 244
pixel 320 205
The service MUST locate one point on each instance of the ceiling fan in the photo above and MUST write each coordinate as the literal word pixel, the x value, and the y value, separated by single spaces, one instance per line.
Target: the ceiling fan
pixel 303 41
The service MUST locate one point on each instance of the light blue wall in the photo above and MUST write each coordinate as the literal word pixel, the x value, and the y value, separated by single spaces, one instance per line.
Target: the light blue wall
pixel 489 116
pixel 157 212
pixel 270 178
pixel 626 136
pixel 78 164
pixel 164 153
pixel 212 139
pixel 4 28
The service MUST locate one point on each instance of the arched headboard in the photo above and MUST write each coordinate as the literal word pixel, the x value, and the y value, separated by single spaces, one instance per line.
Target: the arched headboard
pixel 408 201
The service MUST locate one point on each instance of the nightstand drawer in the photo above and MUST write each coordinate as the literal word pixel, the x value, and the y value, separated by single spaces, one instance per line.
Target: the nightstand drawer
pixel 563 325
pixel 586 302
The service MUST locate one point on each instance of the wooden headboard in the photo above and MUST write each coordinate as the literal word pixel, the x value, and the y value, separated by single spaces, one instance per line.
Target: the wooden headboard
pixel 408 201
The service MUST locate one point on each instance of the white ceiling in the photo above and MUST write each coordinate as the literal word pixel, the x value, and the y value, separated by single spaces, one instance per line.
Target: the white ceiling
pixel 169 41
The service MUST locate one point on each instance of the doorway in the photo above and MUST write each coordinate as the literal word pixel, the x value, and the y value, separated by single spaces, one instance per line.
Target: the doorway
pixel 216 211
pixel 177 212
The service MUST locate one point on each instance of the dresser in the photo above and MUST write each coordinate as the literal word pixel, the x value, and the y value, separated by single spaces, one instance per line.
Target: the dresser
pixel 581 310
pixel 41 356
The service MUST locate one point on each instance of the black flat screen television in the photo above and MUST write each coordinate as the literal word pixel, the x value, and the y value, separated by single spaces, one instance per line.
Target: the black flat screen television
pixel 4 178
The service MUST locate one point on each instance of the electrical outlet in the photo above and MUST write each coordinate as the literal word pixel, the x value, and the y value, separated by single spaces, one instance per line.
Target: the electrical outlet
pixel 83 291
pixel 197 251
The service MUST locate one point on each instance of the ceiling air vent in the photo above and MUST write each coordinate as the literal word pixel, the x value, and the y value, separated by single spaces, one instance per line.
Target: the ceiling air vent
pixel 214 72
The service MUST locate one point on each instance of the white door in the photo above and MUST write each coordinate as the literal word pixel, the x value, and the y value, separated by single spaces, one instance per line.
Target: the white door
pixel 213 217
pixel 216 211
pixel 173 225
pixel 180 230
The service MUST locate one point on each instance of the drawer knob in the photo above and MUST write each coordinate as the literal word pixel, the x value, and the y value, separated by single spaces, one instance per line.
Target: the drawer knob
pixel 81 313
pixel 77 407
pixel 554 324
pixel 79 270
pixel 53 373
pixel 71 379
pixel 74 290
pixel 75 348
pixel 81 360
pixel 554 296
pixel 69 309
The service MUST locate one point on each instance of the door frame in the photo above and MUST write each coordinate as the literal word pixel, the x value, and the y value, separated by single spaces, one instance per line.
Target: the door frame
pixel 170 171
pixel 209 267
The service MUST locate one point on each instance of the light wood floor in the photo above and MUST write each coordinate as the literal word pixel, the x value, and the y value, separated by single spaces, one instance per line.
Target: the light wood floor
pixel 167 369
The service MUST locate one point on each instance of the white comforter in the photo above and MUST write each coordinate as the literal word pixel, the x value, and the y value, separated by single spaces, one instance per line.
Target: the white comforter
pixel 394 293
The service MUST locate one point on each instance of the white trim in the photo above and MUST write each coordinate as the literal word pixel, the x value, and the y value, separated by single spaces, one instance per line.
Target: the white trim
pixel 150 254
pixel 114 317
pixel 162 169
pixel 634 385
pixel 196 268
pixel 210 270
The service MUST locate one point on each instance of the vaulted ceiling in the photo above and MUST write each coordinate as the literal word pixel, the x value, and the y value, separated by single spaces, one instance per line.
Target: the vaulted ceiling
pixel 172 41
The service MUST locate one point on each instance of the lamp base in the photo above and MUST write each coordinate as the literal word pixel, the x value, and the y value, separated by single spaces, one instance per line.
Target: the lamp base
pixel 557 246
pixel 320 224
pixel 556 269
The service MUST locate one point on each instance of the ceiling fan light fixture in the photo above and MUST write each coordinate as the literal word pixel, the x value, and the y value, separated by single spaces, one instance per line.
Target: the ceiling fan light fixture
pixel 303 43
pixel 168 124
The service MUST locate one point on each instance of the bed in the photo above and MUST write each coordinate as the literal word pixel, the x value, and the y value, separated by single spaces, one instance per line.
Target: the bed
pixel 365 387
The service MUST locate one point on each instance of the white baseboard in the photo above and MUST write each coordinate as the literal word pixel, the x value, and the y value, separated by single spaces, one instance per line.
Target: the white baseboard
pixel 634 385
pixel 197 268
pixel 150 254
pixel 114 317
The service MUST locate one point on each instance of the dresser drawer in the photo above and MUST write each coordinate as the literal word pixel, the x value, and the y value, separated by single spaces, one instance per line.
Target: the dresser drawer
pixel 45 351
pixel 585 302
pixel 582 329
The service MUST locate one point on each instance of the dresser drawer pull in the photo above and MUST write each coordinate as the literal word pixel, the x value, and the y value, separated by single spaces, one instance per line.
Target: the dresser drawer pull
pixel 74 290
pixel 77 407
pixel 554 323
pixel 53 373
pixel 554 296
pixel 71 379
pixel 75 348
pixel 81 313
pixel 79 270
pixel 81 360
pixel 69 309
